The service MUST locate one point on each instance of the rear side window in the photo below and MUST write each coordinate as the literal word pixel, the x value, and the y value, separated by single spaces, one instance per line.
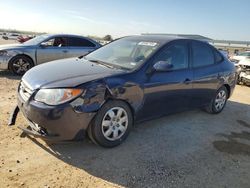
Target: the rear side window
pixel 202 54
pixel 80 42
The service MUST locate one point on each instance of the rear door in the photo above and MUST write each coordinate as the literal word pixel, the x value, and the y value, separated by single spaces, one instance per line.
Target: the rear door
pixel 80 46
pixel 206 69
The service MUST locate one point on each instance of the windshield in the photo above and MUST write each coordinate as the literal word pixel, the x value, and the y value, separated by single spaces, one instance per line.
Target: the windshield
pixel 125 53
pixel 36 40
pixel 244 54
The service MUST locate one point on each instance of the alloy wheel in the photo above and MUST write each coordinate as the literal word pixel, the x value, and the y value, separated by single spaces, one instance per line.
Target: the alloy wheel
pixel 114 123
pixel 220 100
pixel 20 66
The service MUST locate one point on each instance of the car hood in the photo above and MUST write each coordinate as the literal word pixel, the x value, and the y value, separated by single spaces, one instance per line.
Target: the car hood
pixel 238 57
pixel 245 62
pixel 66 73
pixel 13 46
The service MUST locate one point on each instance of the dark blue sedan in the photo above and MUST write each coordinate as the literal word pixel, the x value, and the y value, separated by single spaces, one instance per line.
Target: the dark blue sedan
pixel 132 79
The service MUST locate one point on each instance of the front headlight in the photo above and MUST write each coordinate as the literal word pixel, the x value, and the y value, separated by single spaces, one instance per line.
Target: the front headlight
pixel 3 52
pixel 57 96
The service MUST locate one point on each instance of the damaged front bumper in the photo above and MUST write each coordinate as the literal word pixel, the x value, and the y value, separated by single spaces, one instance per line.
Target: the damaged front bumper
pixel 32 129
pixel 55 123
pixel 244 77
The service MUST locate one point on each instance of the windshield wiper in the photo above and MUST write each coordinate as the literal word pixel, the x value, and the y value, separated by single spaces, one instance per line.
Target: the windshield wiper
pixel 80 57
pixel 101 63
pixel 107 64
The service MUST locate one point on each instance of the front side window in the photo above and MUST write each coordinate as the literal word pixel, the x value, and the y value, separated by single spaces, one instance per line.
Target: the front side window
pixel 80 42
pixel 55 42
pixel 202 54
pixel 126 53
pixel 176 55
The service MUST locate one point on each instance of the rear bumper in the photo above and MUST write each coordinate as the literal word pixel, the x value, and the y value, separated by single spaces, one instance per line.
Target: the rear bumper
pixel 56 123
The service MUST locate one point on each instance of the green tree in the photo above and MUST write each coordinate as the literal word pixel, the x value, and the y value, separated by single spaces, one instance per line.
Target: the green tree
pixel 108 38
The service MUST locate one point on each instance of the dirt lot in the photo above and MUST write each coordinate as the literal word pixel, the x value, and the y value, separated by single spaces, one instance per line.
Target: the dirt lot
pixel 189 149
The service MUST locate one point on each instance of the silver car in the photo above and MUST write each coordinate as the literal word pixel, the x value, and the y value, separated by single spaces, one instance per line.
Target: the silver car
pixel 21 57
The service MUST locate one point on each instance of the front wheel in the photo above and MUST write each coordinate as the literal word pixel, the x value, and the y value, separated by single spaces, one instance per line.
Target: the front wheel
pixel 112 124
pixel 219 101
pixel 20 64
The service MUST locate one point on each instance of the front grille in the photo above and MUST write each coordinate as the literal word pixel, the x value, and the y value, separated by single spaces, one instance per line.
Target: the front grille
pixel 25 92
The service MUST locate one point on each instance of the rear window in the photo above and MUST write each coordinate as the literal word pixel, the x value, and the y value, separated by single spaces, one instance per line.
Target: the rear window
pixel 218 57
pixel 80 42
pixel 202 54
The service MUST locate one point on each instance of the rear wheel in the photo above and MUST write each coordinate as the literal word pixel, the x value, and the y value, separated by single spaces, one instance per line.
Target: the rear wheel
pixel 219 101
pixel 20 64
pixel 112 124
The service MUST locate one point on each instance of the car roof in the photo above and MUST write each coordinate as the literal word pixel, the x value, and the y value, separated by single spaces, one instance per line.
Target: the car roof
pixel 65 35
pixel 161 39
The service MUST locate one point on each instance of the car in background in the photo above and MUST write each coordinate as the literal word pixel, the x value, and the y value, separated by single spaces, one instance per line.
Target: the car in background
pixel 240 56
pixel 23 38
pixel 44 48
pixel 243 71
pixel 11 36
pixel 129 80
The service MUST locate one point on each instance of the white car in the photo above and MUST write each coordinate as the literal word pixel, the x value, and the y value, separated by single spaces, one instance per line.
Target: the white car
pixel 240 56
pixel 11 36
pixel 243 71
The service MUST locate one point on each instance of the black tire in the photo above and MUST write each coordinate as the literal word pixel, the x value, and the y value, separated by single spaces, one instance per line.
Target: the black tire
pixel 211 108
pixel 90 134
pixel 95 131
pixel 25 63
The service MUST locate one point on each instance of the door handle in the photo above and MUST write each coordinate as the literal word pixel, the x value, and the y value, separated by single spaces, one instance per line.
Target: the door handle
pixel 65 51
pixel 187 81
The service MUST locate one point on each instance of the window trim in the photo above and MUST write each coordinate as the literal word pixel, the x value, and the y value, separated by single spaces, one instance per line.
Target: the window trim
pixel 222 57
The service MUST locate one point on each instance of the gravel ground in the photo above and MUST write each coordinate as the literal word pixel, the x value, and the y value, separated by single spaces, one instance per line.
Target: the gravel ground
pixel 189 149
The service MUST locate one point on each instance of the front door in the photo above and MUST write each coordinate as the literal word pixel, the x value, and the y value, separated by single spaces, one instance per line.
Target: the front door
pixel 52 49
pixel 169 91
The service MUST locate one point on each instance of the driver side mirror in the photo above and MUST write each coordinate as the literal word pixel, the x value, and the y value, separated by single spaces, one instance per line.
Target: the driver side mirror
pixel 47 43
pixel 44 45
pixel 162 66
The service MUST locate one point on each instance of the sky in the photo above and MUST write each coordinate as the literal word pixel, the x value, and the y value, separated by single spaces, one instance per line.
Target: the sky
pixel 217 19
